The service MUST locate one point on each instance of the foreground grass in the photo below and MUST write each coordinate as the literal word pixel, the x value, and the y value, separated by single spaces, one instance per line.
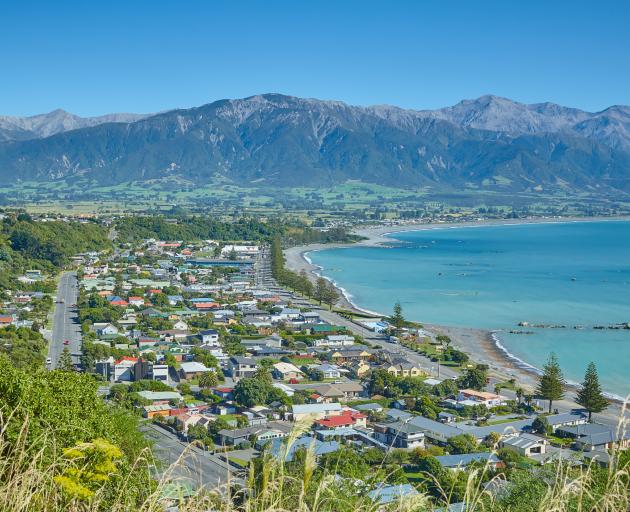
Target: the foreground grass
pixel 36 483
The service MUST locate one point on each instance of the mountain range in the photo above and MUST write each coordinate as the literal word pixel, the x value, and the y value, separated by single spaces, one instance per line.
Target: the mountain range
pixel 273 140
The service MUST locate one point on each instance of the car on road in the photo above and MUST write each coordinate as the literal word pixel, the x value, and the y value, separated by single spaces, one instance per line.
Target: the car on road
pixel 66 342
pixel 48 360
pixel 61 301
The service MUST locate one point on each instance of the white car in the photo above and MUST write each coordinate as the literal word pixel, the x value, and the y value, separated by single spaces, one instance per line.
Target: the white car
pixel 48 360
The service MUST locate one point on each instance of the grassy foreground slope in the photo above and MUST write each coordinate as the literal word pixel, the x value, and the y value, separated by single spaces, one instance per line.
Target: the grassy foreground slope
pixel 64 448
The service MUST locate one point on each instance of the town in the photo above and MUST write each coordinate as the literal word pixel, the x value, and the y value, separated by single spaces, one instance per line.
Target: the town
pixel 225 364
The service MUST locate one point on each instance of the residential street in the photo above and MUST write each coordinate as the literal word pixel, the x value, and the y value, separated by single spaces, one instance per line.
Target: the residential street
pixel 65 321
pixel 184 462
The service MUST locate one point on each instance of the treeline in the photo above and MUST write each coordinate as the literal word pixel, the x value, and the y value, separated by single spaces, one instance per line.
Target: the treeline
pixel 46 246
pixel 323 291
pixel 194 227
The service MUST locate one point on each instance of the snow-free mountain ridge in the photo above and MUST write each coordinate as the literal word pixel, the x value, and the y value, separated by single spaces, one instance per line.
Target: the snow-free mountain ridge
pixel 273 140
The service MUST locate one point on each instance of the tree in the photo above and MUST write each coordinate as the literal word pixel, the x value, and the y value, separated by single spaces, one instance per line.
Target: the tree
pixel 169 359
pixel 320 290
pixel 590 395
pixel 462 443
pixel 540 425
pixel 251 392
pixel 208 380
pixel 331 296
pixel 492 440
pixel 398 320
pixel 474 378
pixel 551 385
pixel 65 361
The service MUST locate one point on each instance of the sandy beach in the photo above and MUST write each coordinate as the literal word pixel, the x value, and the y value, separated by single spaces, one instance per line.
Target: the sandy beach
pixel 479 344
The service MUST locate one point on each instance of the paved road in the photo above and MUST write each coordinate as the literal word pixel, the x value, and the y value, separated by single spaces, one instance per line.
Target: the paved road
pixel 186 463
pixel 265 279
pixel 65 320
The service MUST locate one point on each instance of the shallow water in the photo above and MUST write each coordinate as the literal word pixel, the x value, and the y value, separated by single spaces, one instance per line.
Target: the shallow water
pixel 493 277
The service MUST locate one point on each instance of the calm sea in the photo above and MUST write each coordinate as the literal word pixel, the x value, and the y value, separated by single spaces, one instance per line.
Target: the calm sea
pixel 575 275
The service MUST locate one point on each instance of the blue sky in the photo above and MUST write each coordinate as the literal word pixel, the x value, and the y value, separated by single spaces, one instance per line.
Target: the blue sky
pixel 138 56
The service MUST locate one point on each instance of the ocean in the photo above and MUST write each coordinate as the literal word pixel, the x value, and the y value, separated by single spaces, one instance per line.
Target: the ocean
pixel 569 277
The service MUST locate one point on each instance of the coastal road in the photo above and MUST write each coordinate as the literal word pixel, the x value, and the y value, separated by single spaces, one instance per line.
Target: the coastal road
pixel 183 462
pixel 335 319
pixel 66 325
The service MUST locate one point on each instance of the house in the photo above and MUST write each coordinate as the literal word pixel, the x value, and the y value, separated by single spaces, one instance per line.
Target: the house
pixel 595 437
pixel 261 434
pixel 461 461
pixel 360 368
pixel 399 434
pixel 370 407
pixel 153 313
pixel 329 371
pixel 223 392
pixel 567 419
pixel 240 367
pixel 105 329
pixel 187 420
pixel 341 391
pixel 160 397
pixel 347 418
pixel 180 325
pixel 150 411
pixel 159 372
pixel 327 329
pixel 526 444
pixel 209 337
pixel 105 367
pixel 288 390
pixel 334 340
pixel 6 320
pixel 136 301
pixel 173 300
pixel 252 315
pixel 481 397
pixel 289 314
pixel 117 301
pixel 385 495
pixel 287 371
pixel 192 370
pixel 123 368
pixel 206 306
pixel 404 369
pixel 310 317
pixel 315 411
pixel 446 417
pixel 351 355
pixel 319 448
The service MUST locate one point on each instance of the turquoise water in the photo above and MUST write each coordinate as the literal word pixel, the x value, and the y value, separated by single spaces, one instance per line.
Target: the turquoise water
pixel 493 277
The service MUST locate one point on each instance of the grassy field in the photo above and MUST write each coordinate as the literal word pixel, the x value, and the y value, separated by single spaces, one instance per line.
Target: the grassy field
pixel 352 199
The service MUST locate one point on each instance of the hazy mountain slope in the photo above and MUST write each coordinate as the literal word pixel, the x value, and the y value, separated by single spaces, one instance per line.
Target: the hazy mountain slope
pixel 275 140
pixel 57 121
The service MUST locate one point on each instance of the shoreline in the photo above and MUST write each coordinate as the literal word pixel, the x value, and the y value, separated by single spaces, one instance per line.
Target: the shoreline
pixel 482 345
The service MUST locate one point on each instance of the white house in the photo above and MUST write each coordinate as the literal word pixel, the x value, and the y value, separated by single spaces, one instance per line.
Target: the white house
pixel 123 369
pixel 334 340
pixel 180 325
pixel 209 337
pixel 481 397
pixel 104 329
pixel 286 371
pixel 315 411
pixel 526 444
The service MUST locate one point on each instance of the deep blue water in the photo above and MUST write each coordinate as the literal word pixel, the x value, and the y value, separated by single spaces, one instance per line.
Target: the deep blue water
pixel 493 277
